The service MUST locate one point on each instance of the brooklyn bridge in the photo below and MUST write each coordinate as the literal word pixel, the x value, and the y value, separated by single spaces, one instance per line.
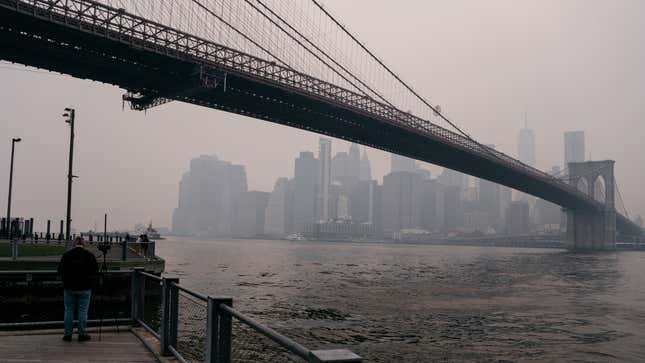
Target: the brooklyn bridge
pixel 267 62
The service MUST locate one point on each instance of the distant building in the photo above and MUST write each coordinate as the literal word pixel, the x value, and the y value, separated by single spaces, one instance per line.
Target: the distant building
pixel 250 214
pixel 505 198
pixel 574 147
pixel 451 177
pixel 401 203
pixel 452 208
pixel 402 163
pixel 304 193
pixel 547 213
pixel 476 221
pixel 336 193
pixel 365 204
pixel 431 208
pixel 517 218
pixel 339 166
pixel 526 146
pixel 278 214
pixel 490 202
pixel 208 195
pixel 324 179
pixel 354 162
pixel 365 173
pixel 341 230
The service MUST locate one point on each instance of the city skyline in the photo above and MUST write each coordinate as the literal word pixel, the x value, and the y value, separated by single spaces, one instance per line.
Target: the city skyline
pixel 153 148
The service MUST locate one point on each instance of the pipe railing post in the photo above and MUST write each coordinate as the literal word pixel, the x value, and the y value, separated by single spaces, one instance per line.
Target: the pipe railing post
pixel 124 250
pixel 137 295
pixel 14 249
pixel 219 331
pixel 169 315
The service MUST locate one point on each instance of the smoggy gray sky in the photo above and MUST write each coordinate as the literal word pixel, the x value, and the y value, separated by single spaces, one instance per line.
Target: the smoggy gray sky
pixel 570 64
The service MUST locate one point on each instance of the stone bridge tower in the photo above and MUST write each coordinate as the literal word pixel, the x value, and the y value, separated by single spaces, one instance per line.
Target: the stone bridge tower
pixel 593 230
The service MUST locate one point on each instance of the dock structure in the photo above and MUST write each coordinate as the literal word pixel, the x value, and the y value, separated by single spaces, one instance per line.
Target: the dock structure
pixel 124 346
pixel 145 317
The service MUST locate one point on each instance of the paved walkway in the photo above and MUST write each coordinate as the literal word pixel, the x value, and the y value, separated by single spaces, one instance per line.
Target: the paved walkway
pixel 49 347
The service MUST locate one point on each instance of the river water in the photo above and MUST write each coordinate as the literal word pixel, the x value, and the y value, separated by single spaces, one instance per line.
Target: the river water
pixel 417 303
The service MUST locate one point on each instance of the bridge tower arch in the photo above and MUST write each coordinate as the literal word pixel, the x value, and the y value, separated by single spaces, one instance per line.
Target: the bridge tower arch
pixel 593 230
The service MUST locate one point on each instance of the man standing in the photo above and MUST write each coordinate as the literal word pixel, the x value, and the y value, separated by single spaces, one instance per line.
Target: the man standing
pixel 78 267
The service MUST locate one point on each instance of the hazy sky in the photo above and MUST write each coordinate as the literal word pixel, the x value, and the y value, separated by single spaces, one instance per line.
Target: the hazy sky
pixel 570 64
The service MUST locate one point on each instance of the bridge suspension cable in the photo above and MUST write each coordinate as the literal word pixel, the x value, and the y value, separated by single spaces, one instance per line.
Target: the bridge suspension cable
pixel 306 39
pixel 198 3
pixel 392 73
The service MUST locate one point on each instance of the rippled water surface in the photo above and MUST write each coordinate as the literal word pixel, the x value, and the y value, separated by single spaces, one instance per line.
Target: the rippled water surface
pixel 415 303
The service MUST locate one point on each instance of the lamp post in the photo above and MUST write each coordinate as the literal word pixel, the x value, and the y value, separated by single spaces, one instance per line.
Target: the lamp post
pixel 69 114
pixel 13 144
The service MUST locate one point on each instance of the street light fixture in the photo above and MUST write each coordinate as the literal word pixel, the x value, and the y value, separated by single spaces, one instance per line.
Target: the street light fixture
pixel 69 118
pixel 13 144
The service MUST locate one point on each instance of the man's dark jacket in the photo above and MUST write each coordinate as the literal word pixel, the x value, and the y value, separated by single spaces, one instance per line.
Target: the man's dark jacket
pixel 78 267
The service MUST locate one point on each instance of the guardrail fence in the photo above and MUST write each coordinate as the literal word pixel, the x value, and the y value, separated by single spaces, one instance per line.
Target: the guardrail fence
pixel 118 251
pixel 190 326
pixel 194 328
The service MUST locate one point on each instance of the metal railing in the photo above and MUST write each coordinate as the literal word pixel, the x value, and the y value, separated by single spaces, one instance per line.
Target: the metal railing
pixel 190 326
pixel 123 251
pixel 194 327
pixel 27 296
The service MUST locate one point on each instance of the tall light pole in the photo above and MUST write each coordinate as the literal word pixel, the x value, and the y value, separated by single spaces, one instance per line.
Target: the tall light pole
pixel 13 144
pixel 69 114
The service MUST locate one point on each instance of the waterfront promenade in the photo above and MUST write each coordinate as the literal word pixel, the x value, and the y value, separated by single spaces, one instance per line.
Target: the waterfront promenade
pixel 126 346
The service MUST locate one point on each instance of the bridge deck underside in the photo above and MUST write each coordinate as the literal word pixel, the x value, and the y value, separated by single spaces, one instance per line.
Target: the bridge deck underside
pixel 35 42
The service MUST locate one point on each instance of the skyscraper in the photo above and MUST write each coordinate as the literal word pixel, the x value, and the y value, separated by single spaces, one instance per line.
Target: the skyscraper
pixel 431 205
pixel 277 214
pixel 452 208
pixel 354 162
pixel 339 166
pixel 401 202
pixel 250 214
pixel 517 218
pixel 402 163
pixel 574 147
pixel 365 203
pixel 208 196
pixel 365 168
pixel 304 193
pixel 526 146
pixel 324 179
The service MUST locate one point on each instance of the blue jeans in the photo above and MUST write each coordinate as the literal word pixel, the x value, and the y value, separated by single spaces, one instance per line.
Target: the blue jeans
pixel 73 300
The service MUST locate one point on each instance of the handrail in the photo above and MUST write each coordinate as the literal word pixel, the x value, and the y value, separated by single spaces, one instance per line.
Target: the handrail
pixel 195 294
pixel 149 275
pixel 43 272
pixel 269 333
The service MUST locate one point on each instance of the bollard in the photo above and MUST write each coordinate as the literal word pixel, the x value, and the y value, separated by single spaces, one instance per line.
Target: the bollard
pixel 219 331
pixel 124 250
